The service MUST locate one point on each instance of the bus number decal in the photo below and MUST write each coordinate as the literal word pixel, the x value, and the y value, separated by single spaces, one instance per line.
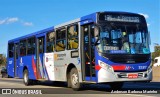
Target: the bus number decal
pixel 142 67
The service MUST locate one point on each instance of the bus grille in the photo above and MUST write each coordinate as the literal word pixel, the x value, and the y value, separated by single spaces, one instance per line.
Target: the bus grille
pixel 125 75
pixel 127 58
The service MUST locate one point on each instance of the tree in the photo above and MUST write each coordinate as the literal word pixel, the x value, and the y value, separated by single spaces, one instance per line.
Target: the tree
pixel 156 48
pixel 3 59
pixel 155 54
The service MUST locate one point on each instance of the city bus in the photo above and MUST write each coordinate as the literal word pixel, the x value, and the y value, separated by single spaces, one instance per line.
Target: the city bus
pixel 102 47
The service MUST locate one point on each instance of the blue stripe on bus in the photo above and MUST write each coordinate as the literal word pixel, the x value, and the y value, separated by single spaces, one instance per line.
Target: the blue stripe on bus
pixel 46 73
pixel 89 79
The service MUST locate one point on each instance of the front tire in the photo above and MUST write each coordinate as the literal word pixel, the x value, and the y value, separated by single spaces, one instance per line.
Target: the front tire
pixel 74 78
pixel 26 79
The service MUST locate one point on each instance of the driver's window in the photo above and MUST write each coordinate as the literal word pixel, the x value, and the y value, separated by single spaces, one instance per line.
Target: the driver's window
pixel 105 38
pixel 131 38
pixel 143 37
pixel 119 33
pixel 138 37
pixel 115 35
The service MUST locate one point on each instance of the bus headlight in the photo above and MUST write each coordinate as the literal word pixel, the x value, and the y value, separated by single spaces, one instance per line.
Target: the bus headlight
pixel 105 66
pixel 149 69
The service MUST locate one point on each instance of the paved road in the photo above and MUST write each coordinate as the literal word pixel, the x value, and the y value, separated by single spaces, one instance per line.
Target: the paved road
pixel 60 90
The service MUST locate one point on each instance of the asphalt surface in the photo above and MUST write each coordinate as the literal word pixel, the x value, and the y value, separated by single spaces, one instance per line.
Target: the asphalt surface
pixel 50 89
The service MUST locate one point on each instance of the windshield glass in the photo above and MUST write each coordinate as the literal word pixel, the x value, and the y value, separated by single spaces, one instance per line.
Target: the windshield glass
pixel 127 39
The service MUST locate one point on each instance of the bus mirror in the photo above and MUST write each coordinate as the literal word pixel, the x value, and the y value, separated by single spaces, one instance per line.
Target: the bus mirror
pixel 97 41
pixel 96 35
pixel 96 32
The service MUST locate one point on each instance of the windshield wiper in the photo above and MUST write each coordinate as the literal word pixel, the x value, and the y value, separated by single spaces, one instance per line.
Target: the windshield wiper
pixel 97 42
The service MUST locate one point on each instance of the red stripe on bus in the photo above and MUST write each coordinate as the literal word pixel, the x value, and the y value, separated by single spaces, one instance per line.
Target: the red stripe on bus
pixel 119 67
pixel 34 68
pixel 97 67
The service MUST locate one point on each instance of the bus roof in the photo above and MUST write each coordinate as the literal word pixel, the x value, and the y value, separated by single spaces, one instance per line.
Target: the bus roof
pixel 32 34
pixel 90 16
pixel 119 12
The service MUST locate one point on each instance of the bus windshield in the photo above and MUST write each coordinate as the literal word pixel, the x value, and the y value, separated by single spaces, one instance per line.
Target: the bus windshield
pixel 123 39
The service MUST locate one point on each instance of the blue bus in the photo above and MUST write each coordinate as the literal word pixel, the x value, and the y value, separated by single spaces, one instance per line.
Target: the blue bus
pixel 102 47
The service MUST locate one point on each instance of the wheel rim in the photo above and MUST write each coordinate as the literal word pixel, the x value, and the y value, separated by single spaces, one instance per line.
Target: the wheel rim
pixel 74 78
pixel 25 78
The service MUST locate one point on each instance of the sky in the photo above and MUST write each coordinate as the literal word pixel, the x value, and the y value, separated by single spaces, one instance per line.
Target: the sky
pixel 21 17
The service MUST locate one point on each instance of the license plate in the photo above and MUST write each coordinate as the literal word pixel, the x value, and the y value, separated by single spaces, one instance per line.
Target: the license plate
pixel 132 76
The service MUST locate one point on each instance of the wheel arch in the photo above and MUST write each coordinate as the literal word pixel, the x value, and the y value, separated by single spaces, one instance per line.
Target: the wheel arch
pixel 25 67
pixel 68 76
pixel 69 67
pixel 27 81
pixel 68 70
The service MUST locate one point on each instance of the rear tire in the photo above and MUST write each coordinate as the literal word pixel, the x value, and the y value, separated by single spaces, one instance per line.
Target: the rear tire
pixel 74 80
pixel 26 79
pixel 116 85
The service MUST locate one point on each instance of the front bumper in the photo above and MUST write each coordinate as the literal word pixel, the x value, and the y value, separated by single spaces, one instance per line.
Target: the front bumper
pixel 108 76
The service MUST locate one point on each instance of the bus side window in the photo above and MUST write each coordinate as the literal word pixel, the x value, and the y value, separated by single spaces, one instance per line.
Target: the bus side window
pixel 72 35
pixel 60 40
pixel 10 49
pixel 31 46
pixel 23 48
pixel 50 42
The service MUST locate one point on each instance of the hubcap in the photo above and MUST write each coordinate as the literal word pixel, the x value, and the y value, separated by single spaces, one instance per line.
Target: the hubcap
pixel 74 79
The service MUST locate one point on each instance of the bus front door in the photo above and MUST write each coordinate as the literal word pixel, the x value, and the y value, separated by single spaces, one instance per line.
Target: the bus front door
pixel 39 57
pixel 16 63
pixel 88 62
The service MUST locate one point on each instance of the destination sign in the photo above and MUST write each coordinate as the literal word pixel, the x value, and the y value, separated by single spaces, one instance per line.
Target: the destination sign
pixel 119 18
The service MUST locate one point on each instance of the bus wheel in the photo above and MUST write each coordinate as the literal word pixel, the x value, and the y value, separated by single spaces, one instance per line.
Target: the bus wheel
pixel 116 85
pixel 74 78
pixel 26 79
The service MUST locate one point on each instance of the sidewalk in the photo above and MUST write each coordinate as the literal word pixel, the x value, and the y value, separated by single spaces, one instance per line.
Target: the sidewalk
pixel 156 74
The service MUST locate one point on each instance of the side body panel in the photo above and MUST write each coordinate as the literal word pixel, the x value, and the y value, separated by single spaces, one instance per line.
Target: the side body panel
pixel 49 65
pixel 10 66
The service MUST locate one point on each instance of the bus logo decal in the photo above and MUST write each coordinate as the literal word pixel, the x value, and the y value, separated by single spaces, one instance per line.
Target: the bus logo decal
pixel 59 56
pixel 10 62
pixel 129 68
pixel 21 62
